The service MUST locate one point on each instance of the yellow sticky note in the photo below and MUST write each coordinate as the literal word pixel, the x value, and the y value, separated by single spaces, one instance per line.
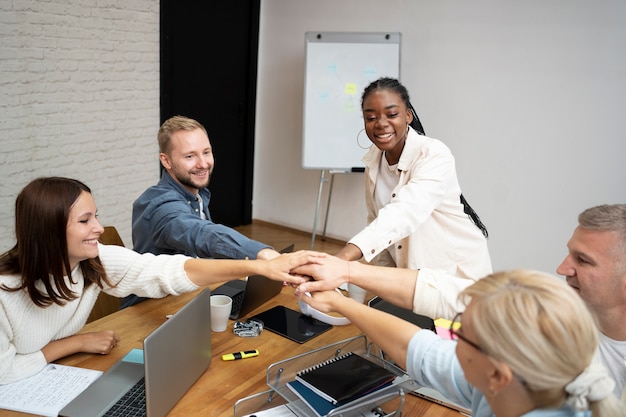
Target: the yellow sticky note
pixel 445 324
pixel 350 89
pixel 443 327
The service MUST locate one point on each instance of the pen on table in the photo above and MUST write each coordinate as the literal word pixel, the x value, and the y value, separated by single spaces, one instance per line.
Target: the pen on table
pixel 240 355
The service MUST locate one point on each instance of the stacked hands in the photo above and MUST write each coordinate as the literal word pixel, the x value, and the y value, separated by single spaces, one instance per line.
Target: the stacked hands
pixel 307 271
pixel 316 276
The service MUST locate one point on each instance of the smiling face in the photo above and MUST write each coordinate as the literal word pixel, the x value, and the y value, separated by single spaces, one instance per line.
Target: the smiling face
pixel 190 159
pixel 592 268
pixel 83 230
pixel 386 119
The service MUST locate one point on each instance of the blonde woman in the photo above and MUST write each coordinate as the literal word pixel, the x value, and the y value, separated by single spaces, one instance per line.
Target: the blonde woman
pixel 525 348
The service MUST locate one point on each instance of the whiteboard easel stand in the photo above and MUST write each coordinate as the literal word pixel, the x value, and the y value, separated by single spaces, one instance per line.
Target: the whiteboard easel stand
pixel 323 179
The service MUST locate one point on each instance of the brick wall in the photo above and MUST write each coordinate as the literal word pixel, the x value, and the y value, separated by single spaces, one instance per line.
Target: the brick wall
pixel 79 97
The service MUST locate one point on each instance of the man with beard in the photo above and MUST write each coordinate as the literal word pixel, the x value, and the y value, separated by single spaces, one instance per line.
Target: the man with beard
pixel 172 217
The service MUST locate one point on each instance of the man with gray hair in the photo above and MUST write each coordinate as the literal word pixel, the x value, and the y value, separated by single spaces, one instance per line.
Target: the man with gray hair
pixel 596 268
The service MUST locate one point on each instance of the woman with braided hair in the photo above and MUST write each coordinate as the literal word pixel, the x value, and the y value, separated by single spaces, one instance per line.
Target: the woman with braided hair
pixel 417 216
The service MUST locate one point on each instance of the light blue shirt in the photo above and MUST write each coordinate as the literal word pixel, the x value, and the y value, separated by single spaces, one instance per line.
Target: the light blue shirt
pixel 433 363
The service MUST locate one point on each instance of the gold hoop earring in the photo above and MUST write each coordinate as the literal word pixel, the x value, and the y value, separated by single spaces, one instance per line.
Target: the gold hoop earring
pixel 357 140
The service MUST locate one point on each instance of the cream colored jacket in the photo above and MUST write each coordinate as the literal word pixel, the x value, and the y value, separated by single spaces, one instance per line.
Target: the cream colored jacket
pixel 424 224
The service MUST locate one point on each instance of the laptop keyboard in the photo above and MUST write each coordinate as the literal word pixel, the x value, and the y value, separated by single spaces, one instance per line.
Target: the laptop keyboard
pixel 132 404
pixel 235 290
pixel 237 302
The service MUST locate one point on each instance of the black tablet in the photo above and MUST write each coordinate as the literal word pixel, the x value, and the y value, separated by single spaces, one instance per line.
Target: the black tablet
pixel 292 324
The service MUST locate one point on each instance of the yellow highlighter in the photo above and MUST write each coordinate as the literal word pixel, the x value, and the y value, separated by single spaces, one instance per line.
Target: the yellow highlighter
pixel 240 355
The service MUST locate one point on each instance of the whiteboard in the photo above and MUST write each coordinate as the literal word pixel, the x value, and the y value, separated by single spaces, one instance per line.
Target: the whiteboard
pixel 339 65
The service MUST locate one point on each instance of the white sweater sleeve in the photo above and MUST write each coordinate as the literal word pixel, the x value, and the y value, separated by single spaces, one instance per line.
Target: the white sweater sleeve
pixel 436 293
pixel 13 365
pixel 146 275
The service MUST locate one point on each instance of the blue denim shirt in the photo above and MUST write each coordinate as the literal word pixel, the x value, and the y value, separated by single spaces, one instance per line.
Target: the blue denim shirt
pixel 166 219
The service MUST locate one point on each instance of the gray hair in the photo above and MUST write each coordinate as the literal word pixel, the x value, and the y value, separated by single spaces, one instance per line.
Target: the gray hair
pixel 608 218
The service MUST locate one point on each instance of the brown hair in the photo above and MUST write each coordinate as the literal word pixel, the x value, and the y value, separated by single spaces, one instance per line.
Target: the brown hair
pixel 40 255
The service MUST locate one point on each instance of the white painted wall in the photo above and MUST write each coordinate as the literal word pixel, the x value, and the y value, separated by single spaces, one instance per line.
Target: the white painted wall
pixel 529 95
pixel 79 97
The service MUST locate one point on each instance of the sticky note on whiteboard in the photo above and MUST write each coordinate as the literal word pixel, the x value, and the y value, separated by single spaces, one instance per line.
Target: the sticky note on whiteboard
pixel 351 89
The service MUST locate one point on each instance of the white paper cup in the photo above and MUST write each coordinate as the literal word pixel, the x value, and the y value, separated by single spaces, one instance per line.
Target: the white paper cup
pixel 356 293
pixel 221 306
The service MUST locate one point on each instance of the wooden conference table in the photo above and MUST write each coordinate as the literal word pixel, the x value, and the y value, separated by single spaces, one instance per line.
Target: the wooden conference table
pixel 225 382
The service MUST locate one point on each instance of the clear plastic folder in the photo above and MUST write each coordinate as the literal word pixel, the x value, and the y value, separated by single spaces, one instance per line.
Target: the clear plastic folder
pixel 281 401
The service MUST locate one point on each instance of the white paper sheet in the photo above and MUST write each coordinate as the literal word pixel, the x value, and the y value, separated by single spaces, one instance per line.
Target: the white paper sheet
pixel 48 391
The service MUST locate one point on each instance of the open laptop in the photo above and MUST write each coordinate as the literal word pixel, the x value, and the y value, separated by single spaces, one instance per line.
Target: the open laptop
pixel 437 397
pixel 250 293
pixel 174 357
pixel 405 314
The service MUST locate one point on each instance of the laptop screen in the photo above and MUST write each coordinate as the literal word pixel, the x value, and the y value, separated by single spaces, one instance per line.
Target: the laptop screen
pixel 173 358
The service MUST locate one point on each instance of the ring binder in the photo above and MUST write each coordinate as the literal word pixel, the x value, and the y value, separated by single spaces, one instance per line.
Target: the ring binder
pixel 319 365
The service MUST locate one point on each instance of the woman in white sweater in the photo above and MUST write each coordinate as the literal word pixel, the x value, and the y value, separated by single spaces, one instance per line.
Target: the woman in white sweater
pixel 50 279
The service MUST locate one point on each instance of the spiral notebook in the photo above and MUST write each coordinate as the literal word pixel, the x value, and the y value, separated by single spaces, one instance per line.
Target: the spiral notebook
pixel 345 378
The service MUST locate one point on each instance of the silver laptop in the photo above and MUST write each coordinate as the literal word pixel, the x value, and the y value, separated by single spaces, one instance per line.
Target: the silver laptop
pixel 174 357
pixel 250 293
pixel 437 397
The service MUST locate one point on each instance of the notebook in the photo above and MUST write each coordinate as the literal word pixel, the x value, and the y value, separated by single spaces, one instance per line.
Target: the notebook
pixel 319 405
pixel 345 378
pixel 250 293
pixel 174 357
